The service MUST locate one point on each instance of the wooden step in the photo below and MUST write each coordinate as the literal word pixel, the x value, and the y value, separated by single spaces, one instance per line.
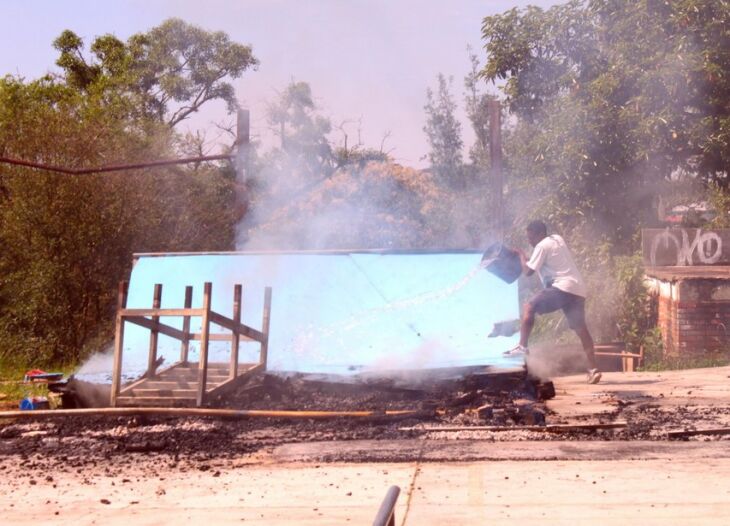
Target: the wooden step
pixel 186 374
pixel 163 383
pixel 143 392
pixel 155 401
pixel 194 367
pixel 177 386
pixel 173 385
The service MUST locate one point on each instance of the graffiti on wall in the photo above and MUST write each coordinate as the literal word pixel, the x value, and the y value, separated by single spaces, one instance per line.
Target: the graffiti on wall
pixel 685 247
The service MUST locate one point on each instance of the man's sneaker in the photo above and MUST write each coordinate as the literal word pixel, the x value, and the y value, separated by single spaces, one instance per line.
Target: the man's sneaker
pixel 519 350
pixel 594 376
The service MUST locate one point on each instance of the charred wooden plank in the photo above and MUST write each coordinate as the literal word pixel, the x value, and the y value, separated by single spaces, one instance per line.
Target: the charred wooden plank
pixel 554 428
pixel 686 433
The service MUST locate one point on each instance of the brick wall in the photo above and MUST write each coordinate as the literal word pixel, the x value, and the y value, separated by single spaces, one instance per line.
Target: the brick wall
pixel 693 314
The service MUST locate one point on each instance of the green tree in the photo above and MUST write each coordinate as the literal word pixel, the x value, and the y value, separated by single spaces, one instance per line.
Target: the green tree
pixel 614 98
pixel 304 147
pixel 68 239
pixel 477 111
pixel 613 104
pixel 443 131
pixel 168 72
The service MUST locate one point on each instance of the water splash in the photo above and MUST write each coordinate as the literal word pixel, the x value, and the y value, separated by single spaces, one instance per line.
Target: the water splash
pixel 307 341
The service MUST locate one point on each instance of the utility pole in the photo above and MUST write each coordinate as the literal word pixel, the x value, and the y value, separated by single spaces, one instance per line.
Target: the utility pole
pixel 243 127
pixel 242 144
pixel 495 156
pixel 242 156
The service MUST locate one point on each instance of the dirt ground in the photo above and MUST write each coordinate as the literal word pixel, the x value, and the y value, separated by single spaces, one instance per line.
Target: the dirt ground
pixel 143 467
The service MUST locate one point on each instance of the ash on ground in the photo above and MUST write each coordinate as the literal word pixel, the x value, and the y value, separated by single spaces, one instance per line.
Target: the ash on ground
pixel 508 401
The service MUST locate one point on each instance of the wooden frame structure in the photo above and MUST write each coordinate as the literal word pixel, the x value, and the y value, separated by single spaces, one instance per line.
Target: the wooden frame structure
pixel 150 319
pixel 629 361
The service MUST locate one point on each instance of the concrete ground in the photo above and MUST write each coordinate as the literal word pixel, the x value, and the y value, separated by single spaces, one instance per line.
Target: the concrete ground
pixel 696 388
pixel 454 480
pixel 671 490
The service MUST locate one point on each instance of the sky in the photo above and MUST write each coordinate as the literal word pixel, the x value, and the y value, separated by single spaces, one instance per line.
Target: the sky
pixel 367 61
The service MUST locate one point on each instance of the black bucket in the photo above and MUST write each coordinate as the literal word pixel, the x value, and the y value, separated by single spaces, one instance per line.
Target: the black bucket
pixel 503 262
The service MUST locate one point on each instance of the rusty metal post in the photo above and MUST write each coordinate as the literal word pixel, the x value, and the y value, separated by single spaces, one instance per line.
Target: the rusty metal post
pixel 185 346
pixel 235 336
pixel 154 335
pixel 118 341
pixel 204 340
pixel 495 155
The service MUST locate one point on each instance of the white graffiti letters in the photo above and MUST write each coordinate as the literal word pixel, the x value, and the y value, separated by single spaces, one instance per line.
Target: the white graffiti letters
pixel 707 246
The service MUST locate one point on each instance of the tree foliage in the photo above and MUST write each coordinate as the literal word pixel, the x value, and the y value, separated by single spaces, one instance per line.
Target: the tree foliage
pixel 302 132
pixel 476 103
pixel 443 131
pixel 68 239
pixel 310 194
pixel 613 98
pixel 168 72
pixel 615 105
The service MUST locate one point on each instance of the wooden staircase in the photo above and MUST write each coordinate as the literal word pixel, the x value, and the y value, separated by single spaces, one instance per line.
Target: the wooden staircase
pixel 186 384
pixel 178 385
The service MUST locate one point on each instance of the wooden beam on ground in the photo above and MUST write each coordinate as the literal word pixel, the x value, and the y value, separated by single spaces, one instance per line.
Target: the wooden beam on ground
pixel 552 428
pixel 697 432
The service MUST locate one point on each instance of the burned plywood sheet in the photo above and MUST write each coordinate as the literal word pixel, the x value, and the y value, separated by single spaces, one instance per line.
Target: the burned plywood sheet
pixel 670 247
pixel 339 312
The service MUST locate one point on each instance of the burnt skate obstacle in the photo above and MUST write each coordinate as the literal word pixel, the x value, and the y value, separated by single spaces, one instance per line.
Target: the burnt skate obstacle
pixel 186 383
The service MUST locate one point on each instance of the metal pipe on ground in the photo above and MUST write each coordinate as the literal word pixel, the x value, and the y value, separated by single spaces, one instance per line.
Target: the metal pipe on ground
pixel 386 513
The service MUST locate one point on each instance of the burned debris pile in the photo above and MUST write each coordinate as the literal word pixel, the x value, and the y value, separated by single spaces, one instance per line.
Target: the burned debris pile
pixel 499 398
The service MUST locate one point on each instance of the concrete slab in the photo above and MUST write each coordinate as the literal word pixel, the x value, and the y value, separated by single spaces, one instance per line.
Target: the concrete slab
pixel 556 493
pixel 282 494
pixel 575 399
pixel 501 492
pixel 475 446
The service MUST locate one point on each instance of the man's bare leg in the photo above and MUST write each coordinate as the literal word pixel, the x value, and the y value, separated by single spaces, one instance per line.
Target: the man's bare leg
pixel 587 341
pixel 528 322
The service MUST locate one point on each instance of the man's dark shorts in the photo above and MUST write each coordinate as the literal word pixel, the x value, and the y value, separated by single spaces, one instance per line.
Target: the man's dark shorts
pixel 552 299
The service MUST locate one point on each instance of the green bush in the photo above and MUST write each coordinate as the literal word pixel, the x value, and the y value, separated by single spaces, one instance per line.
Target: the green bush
pixel 637 311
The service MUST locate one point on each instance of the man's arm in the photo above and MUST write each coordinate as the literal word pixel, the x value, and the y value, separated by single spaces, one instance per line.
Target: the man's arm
pixel 527 271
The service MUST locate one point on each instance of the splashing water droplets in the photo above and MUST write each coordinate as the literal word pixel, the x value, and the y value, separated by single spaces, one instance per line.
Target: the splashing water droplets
pixel 306 344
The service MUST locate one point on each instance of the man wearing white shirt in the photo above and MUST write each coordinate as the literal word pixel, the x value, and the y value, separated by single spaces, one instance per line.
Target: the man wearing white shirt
pixel 564 289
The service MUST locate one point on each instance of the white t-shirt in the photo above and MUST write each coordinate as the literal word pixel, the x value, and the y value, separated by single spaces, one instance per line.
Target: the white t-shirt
pixel 554 263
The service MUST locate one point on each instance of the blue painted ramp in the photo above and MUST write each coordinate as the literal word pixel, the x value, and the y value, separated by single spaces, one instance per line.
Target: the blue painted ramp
pixel 341 312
